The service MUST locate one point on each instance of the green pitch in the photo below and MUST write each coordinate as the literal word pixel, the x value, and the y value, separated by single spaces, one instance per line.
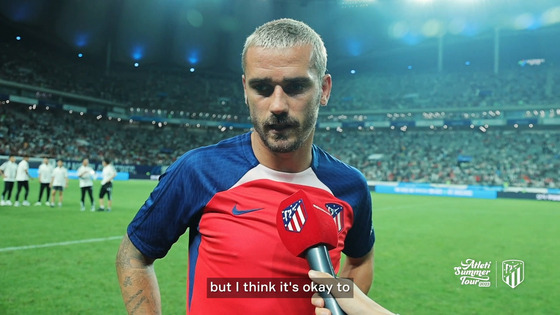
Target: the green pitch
pixel 61 260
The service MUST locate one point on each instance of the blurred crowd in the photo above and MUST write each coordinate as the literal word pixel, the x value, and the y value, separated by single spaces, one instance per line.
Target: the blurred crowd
pixel 525 158
pixel 521 158
pixel 177 90
pixel 528 158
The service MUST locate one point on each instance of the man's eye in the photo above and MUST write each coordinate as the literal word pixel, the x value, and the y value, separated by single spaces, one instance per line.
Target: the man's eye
pixel 294 88
pixel 263 89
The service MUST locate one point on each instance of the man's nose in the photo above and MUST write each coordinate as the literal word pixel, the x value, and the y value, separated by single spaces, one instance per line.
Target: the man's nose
pixel 278 100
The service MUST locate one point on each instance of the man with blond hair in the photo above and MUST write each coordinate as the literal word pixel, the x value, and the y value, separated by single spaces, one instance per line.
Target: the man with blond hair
pixel 227 195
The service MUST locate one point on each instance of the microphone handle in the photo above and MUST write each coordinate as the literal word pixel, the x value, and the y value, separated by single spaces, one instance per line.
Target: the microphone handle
pixel 319 259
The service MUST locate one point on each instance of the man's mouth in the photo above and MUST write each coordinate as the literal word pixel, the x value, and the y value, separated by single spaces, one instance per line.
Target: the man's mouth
pixel 280 127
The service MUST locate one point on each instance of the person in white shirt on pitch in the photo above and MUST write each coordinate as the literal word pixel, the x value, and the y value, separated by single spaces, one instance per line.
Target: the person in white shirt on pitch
pixel 22 179
pixel 45 178
pixel 59 181
pixel 86 175
pixel 109 174
pixel 8 171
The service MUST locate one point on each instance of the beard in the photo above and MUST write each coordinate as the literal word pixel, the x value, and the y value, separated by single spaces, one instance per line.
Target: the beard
pixel 282 133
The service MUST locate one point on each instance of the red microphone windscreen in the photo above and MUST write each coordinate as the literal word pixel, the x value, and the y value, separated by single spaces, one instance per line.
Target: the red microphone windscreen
pixel 303 224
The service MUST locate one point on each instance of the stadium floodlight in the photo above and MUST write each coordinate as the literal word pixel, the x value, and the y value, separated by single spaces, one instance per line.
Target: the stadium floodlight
pixel 551 16
pixel 423 1
pixel 356 3
pixel 524 21
pixel 398 29
pixel 456 26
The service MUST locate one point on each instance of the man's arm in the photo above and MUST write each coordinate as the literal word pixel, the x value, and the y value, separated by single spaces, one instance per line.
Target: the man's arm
pixel 360 270
pixel 113 174
pixel 137 278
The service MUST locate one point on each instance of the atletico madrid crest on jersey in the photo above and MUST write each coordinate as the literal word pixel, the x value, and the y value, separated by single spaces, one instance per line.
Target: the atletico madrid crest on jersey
pixel 336 211
pixel 294 216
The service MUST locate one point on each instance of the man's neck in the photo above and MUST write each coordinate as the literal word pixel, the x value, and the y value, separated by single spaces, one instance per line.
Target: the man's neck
pixel 290 162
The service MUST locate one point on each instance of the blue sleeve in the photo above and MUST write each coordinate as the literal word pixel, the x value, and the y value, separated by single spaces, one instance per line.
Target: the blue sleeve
pixel 361 237
pixel 177 202
pixel 172 207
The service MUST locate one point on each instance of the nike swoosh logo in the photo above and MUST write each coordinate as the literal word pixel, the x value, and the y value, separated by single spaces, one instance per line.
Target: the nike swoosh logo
pixel 236 211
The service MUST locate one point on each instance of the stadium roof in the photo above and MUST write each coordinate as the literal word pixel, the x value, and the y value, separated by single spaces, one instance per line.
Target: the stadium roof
pixel 209 34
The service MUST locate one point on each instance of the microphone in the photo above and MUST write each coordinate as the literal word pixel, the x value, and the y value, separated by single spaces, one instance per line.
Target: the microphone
pixel 309 231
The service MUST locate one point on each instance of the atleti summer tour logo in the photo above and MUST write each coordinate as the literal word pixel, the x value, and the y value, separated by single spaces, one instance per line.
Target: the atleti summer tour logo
pixel 474 272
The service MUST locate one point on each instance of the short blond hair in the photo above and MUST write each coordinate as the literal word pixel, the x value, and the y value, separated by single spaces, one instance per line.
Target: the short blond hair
pixel 286 33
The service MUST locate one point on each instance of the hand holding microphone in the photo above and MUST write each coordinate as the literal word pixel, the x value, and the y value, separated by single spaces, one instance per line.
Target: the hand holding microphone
pixel 309 231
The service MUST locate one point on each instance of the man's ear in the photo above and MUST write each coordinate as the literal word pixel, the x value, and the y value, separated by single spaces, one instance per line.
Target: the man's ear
pixel 326 89
pixel 244 89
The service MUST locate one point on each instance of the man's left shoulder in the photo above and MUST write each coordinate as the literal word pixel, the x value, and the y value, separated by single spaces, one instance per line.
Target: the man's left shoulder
pixel 324 161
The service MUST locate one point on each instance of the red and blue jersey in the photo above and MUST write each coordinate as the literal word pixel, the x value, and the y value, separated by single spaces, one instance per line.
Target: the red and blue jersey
pixel 229 202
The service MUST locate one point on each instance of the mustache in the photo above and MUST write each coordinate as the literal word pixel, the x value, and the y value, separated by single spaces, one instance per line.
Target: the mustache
pixel 281 120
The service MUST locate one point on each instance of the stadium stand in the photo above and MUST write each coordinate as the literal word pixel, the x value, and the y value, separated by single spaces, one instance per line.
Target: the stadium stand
pixel 524 157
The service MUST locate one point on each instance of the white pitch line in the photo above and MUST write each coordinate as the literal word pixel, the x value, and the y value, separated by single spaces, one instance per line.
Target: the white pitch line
pixel 91 240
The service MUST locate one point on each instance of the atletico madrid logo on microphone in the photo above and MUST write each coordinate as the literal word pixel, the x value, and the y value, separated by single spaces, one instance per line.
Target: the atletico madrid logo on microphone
pixel 294 216
pixel 336 211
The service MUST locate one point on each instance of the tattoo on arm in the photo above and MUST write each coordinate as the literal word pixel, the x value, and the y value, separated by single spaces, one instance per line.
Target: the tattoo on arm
pixel 127 282
pixel 138 303
pixel 133 311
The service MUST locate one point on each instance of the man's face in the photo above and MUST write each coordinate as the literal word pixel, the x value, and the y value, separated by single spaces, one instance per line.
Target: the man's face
pixel 45 161
pixel 85 162
pixel 59 163
pixel 283 94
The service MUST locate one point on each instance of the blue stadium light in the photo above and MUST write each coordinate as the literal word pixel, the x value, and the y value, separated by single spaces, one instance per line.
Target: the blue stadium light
pixel 191 70
pixel 354 47
pixel 411 39
pixel 80 55
pixel 352 71
pixel 467 63
pixel 18 37
pixel 193 58
pixel 137 53
pixel 409 67
pixel 81 40
pixel 136 65
pixel 470 30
